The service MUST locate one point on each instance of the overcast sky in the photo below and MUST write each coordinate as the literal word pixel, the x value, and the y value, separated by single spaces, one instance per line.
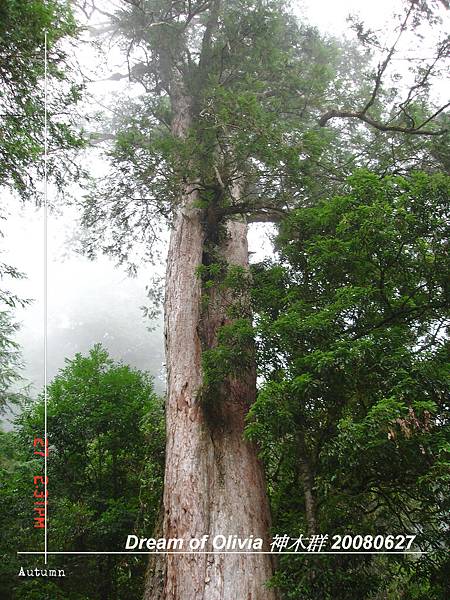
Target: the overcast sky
pixel 93 302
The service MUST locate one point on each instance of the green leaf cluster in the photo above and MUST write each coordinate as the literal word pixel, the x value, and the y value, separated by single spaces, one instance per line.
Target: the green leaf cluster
pixel 352 326
pixel 23 26
pixel 232 356
pixel 105 470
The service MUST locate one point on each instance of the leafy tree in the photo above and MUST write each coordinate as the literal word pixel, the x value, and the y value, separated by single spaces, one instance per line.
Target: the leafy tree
pixel 106 439
pixel 22 33
pixel 246 115
pixel 23 26
pixel 353 417
pixel 10 359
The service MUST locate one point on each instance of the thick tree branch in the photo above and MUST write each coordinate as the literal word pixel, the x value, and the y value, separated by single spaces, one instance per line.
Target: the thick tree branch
pixel 211 27
pixel 255 213
pixel 362 116
pixel 269 216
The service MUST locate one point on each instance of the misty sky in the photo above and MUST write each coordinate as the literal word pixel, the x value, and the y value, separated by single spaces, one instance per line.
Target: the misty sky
pixel 93 301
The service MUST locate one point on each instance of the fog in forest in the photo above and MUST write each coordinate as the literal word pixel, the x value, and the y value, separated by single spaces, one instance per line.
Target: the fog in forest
pixel 94 301
pixel 89 301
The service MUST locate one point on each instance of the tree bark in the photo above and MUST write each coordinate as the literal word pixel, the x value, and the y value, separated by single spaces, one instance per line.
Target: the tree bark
pixel 156 566
pixel 307 480
pixel 214 482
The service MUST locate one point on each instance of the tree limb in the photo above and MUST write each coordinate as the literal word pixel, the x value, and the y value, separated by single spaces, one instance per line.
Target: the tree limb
pixel 255 213
pixel 362 116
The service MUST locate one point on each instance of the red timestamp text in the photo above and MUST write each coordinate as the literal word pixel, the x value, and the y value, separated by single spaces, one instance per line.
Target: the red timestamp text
pixel 40 482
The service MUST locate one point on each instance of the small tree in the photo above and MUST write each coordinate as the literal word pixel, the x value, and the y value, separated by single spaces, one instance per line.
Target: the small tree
pixel 105 473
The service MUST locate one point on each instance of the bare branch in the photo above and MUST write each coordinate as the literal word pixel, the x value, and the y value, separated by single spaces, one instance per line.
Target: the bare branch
pixel 96 138
pixel 346 114
pixel 383 66
pixel 363 115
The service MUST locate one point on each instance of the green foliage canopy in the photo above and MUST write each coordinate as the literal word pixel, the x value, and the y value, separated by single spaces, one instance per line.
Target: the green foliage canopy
pixel 260 88
pixel 105 468
pixel 22 32
pixel 352 328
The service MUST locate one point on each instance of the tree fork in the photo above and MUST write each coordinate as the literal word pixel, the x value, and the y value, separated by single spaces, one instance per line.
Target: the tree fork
pixel 214 481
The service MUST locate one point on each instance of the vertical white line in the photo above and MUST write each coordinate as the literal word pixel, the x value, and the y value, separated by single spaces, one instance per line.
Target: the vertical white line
pixel 45 297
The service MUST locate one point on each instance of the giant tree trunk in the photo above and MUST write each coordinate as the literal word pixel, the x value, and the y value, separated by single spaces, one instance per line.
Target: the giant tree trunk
pixel 214 482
